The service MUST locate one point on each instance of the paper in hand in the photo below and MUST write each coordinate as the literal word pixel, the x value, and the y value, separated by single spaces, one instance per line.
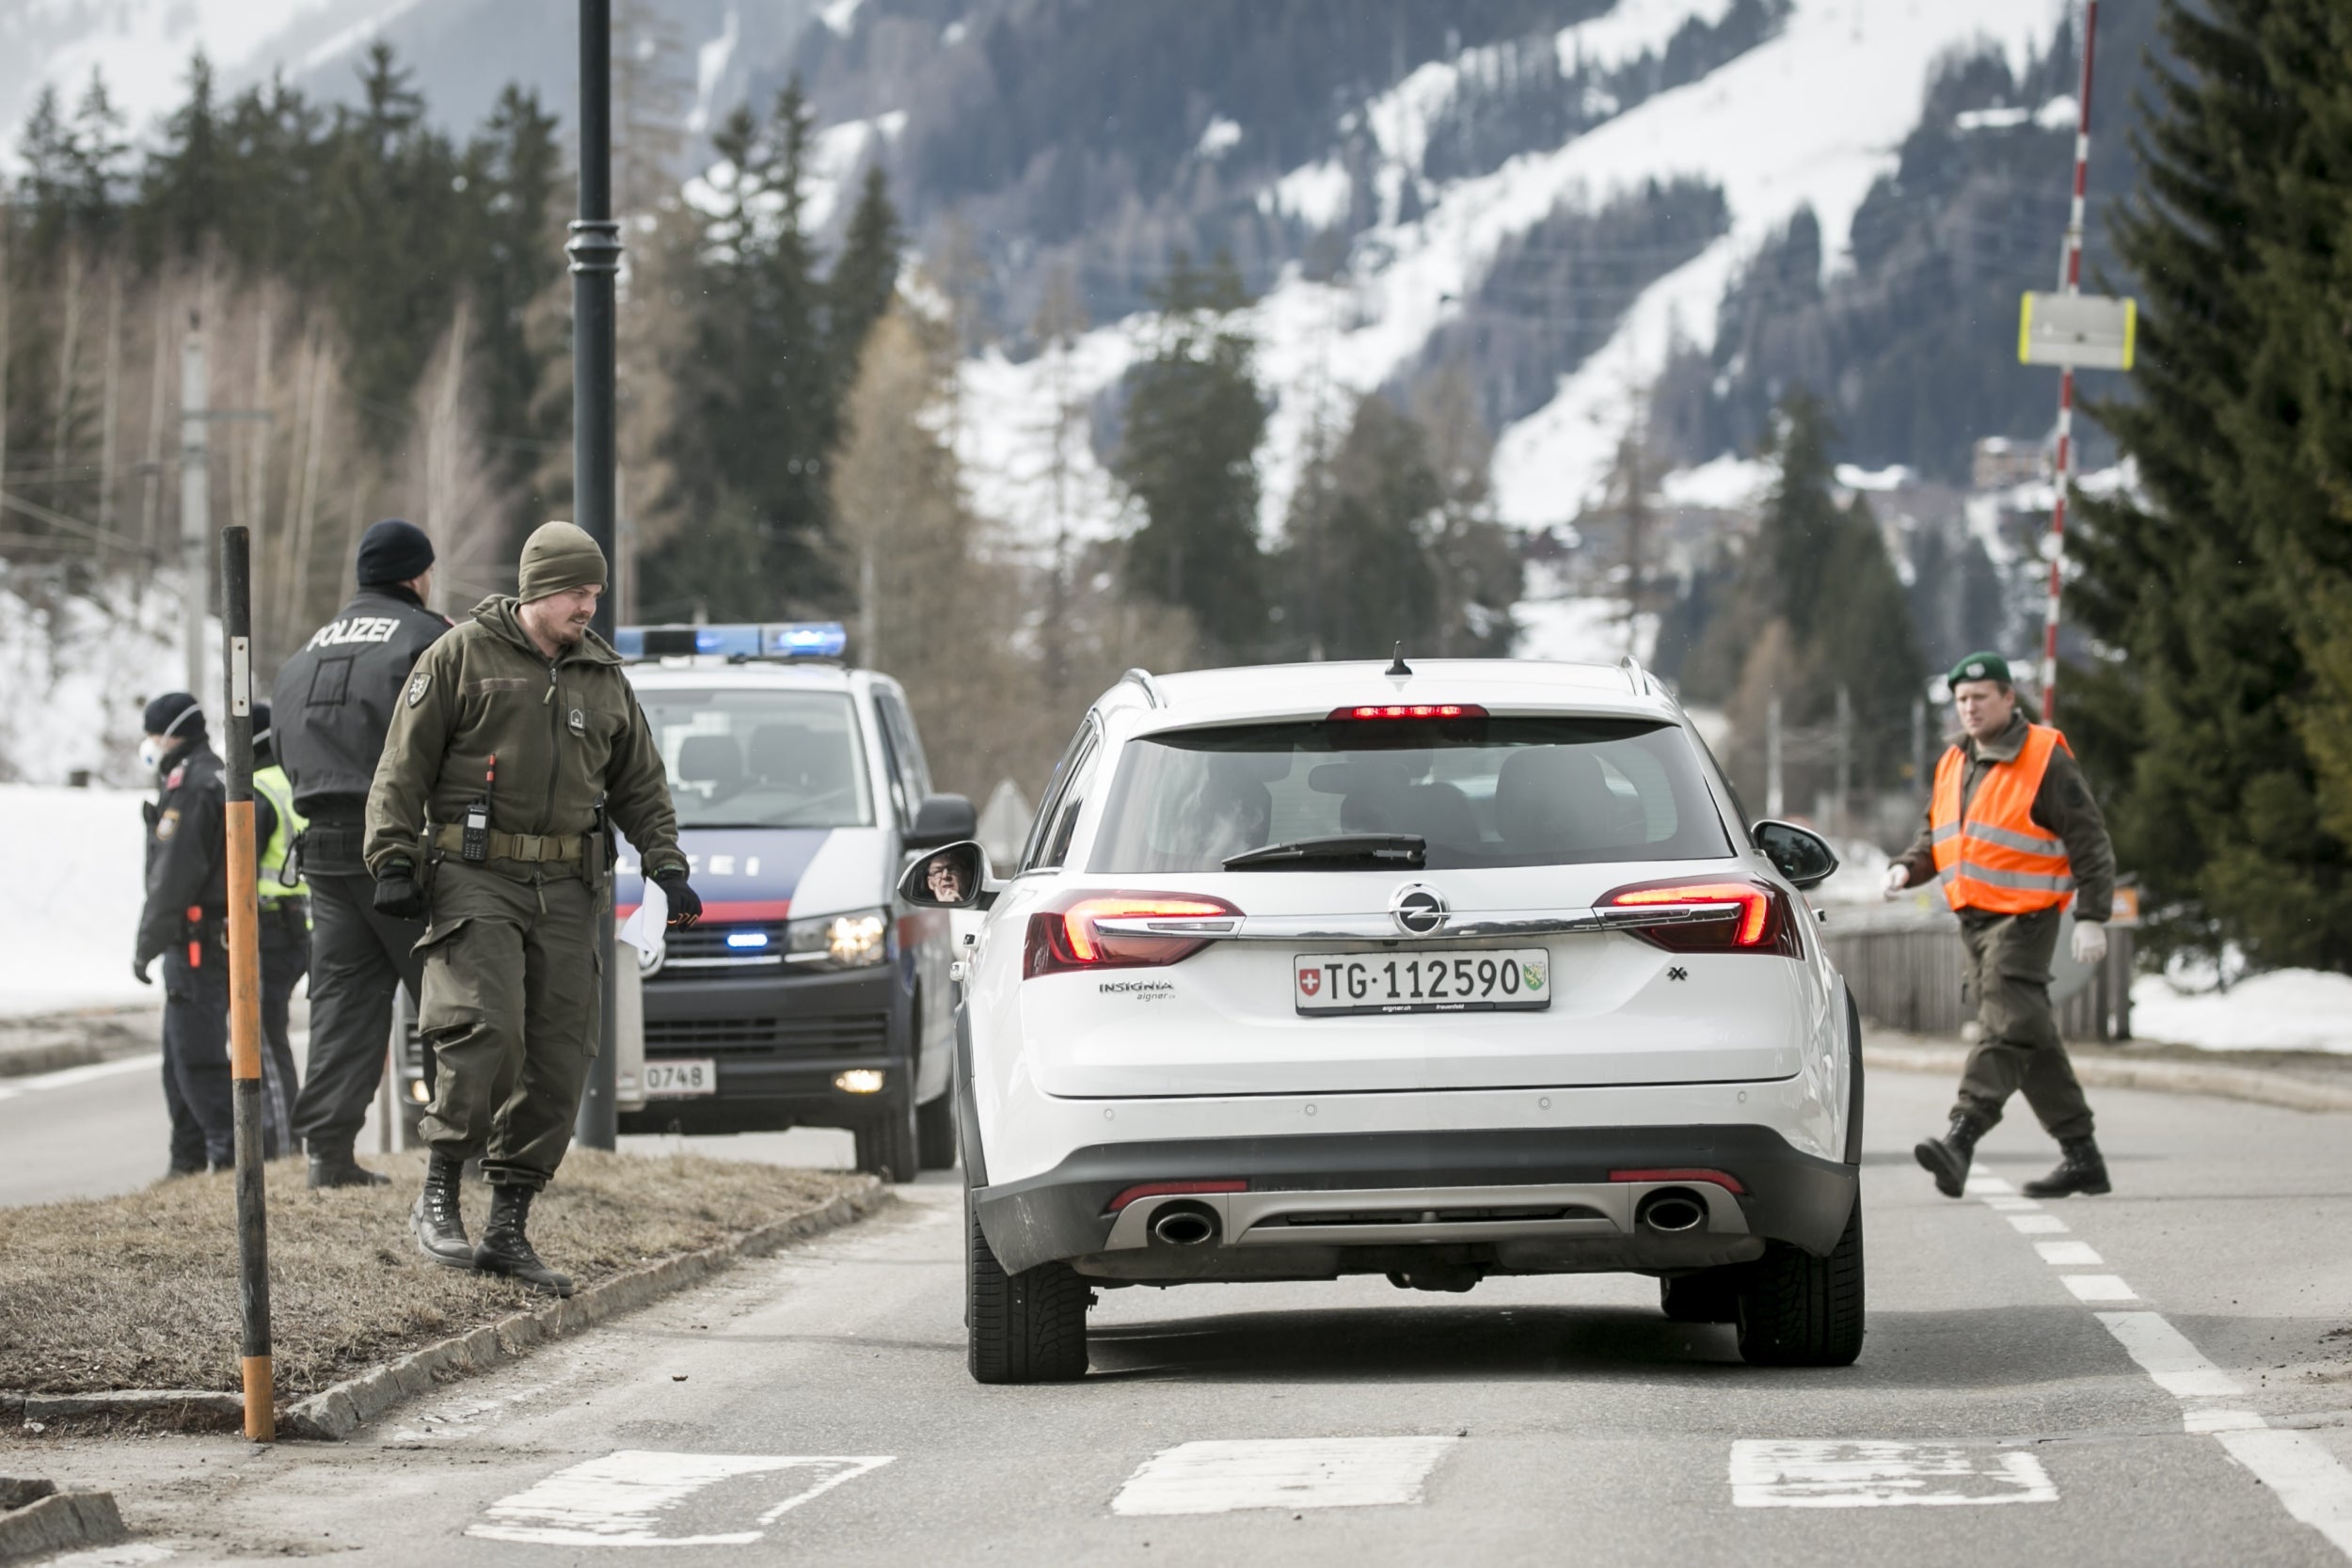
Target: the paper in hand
pixel 642 931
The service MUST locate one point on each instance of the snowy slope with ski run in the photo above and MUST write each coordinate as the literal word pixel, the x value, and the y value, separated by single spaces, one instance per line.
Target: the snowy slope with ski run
pixel 1810 116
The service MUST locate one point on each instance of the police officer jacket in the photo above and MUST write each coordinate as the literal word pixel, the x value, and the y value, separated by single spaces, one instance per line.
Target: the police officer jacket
pixel 334 699
pixel 187 863
pixel 564 733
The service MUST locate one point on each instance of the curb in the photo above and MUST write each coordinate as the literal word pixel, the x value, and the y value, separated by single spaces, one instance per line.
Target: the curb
pixel 24 1061
pixel 337 1412
pixel 58 1521
pixel 2166 1077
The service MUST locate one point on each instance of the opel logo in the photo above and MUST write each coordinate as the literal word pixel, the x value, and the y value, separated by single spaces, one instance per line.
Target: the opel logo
pixel 1417 909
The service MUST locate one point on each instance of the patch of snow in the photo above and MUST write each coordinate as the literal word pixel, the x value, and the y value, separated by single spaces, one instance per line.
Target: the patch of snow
pixel 710 67
pixel 1581 631
pixel 1316 195
pixel 953 34
pixel 840 15
pixel 1633 29
pixel 1221 136
pixel 1401 119
pixel 2059 114
pixel 350 40
pixel 2286 1010
pixel 839 155
pixel 1993 120
pixel 73 953
pixel 1726 483
pixel 1878 480
pixel 75 672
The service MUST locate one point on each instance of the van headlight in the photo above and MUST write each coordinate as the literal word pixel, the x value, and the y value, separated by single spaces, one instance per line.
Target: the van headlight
pixel 852 941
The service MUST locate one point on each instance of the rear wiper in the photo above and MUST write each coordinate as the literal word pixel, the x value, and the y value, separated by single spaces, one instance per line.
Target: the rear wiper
pixel 1373 848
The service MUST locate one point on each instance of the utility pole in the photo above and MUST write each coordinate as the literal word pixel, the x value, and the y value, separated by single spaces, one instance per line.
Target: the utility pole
pixel 1845 759
pixel 1773 793
pixel 195 519
pixel 244 983
pixel 2072 272
pixel 595 257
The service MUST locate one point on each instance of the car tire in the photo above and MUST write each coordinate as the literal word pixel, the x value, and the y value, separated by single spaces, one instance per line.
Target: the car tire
pixel 935 1132
pixel 1026 1327
pixel 1799 1311
pixel 888 1146
pixel 1708 1296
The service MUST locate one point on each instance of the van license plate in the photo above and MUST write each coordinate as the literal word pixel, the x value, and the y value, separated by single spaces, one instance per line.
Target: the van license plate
pixel 676 1075
pixel 1516 979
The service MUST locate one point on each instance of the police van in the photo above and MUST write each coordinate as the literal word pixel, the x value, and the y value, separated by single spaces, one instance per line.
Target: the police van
pixel 808 994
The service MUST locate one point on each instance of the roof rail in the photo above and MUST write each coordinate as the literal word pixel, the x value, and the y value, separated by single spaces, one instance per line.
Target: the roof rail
pixel 1151 688
pixel 1635 676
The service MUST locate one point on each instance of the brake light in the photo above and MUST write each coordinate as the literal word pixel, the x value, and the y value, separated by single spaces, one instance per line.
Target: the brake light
pixel 1410 710
pixel 1754 917
pixel 1171 1188
pixel 1069 937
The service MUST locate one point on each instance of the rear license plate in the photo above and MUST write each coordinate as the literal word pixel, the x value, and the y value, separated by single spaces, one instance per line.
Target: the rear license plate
pixel 676 1075
pixel 1517 979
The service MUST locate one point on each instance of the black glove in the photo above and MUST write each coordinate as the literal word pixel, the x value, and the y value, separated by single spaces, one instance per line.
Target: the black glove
pixel 139 967
pixel 397 893
pixel 686 906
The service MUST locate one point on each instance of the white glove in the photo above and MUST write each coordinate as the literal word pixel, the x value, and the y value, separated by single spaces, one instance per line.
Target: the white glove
pixel 1897 878
pixel 2090 942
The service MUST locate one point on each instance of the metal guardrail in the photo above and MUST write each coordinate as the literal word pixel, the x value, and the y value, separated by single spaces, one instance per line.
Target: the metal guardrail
pixel 1903 966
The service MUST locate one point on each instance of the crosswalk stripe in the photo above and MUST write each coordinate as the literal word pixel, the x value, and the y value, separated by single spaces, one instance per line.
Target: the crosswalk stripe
pixel 622 1499
pixel 1876 1474
pixel 1223 1477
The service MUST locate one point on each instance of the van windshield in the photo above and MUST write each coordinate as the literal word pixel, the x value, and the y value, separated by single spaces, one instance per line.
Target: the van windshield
pixel 746 758
pixel 1479 792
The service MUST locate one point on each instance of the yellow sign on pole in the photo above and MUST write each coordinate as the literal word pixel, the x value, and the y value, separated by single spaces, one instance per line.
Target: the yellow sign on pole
pixel 2088 332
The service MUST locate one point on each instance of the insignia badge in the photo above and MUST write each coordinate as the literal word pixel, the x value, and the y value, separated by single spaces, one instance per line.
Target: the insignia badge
pixel 1310 981
pixel 579 722
pixel 1534 975
pixel 173 781
pixel 416 688
pixel 166 825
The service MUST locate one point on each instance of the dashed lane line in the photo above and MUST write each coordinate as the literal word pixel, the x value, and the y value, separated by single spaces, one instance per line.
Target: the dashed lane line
pixel 633 1496
pixel 1229 1476
pixel 1869 1473
pixel 2313 1486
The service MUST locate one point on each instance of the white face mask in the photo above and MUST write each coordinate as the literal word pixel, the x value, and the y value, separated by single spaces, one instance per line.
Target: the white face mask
pixel 150 753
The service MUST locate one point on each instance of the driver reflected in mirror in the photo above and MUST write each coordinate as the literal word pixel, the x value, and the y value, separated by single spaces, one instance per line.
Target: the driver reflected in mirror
pixel 944 877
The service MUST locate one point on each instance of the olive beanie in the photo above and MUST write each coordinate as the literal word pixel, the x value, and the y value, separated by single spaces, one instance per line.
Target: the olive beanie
pixel 558 556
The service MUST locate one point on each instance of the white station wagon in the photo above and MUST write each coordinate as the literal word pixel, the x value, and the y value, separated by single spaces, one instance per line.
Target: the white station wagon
pixel 1465 969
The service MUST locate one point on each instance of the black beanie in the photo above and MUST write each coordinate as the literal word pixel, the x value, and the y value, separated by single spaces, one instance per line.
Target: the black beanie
pixel 393 552
pixel 175 716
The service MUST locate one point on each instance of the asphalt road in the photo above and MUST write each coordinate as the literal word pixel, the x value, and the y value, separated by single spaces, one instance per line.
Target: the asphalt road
pixel 815 1406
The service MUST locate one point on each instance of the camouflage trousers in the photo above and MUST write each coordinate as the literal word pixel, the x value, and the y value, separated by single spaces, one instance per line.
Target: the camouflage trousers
pixel 2006 974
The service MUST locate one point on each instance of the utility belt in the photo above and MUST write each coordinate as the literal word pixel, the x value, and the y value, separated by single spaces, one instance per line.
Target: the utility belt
pixel 526 849
pixel 205 936
pixel 331 847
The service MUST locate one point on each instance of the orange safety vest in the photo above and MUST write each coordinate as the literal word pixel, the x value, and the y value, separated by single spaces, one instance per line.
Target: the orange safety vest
pixel 1993 856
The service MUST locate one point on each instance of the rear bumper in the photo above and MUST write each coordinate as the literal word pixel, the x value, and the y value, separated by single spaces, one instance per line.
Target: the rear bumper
pixel 1497 1178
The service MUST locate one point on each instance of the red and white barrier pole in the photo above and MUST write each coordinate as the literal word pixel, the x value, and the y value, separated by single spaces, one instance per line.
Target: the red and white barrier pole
pixel 2074 285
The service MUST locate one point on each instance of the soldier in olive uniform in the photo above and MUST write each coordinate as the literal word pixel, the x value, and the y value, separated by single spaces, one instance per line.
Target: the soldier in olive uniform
pixel 484 819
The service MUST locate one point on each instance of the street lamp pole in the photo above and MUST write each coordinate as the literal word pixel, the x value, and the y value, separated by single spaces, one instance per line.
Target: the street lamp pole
pixel 595 258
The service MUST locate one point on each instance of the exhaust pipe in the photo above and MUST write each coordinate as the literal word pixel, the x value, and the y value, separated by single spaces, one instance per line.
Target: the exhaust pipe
pixel 1671 1210
pixel 1183 1224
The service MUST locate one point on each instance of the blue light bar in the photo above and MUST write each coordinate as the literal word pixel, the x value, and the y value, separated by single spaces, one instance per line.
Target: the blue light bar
pixel 806 639
pixel 747 939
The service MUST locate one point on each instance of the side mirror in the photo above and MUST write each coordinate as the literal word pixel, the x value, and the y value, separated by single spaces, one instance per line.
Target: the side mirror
pixel 1799 854
pixel 943 819
pixel 955 878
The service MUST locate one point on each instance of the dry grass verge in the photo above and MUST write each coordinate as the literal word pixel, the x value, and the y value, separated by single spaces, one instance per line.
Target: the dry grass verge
pixel 140 1292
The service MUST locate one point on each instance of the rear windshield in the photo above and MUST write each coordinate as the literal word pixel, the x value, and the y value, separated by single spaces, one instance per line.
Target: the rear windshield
pixel 747 757
pixel 1481 792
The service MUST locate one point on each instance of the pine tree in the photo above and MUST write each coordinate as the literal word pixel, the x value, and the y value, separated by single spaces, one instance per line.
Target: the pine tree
pixel 1195 417
pixel 866 274
pixel 2212 587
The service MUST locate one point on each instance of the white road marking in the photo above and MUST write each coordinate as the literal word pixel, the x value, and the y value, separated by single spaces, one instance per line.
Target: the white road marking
pixel 131 1554
pixel 2009 1205
pixel 65 1078
pixel 2099 1287
pixel 2209 1421
pixel 2066 1255
pixel 1769 1474
pixel 1981 1182
pixel 2038 1224
pixel 620 1500
pixel 2307 1480
pixel 2179 1368
pixel 1221 1477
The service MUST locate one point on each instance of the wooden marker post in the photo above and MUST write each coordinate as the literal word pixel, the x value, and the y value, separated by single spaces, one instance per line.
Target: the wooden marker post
pixel 244 982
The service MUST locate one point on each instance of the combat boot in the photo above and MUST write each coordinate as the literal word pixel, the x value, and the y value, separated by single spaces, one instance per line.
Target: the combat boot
pixel 1947 1158
pixel 506 1250
pixel 440 1227
pixel 335 1167
pixel 2080 1169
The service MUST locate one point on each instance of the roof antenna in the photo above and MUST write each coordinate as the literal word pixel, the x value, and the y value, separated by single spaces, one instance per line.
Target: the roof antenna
pixel 1397 665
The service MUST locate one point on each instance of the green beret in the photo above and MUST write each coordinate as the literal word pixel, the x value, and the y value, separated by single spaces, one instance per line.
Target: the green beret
pixel 1981 667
